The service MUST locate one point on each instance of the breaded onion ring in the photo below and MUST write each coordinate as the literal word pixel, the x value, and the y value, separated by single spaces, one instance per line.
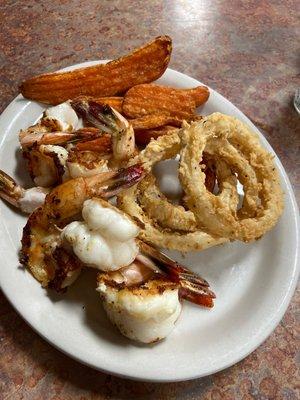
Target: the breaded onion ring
pixel 231 141
pixel 176 217
pixel 158 207
pixel 163 148
pixel 198 240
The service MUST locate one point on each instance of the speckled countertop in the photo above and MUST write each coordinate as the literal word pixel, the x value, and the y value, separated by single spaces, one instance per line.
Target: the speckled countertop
pixel 249 52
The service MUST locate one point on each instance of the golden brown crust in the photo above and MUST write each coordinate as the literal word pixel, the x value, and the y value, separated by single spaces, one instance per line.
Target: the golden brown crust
pixel 163 148
pixel 164 213
pixel 143 65
pixel 231 142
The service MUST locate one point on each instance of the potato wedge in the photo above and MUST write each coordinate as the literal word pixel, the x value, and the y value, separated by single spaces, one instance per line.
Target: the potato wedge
pixel 160 119
pixel 143 137
pixel 151 98
pixel 155 121
pixel 115 102
pixel 101 145
pixel 144 64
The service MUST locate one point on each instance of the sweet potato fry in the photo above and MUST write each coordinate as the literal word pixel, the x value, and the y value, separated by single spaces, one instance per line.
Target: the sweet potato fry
pixel 199 94
pixel 143 137
pixel 115 102
pixel 144 64
pixel 160 119
pixel 150 98
pixel 100 145
pixel 155 121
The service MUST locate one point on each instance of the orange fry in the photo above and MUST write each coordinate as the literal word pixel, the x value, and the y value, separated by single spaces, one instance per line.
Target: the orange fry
pixel 144 64
pixel 100 145
pixel 155 121
pixel 143 137
pixel 114 102
pixel 199 94
pixel 150 98
pixel 161 119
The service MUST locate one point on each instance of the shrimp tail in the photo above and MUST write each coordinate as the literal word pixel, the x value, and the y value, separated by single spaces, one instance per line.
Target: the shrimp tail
pixel 101 116
pixel 109 120
pixel 193 287
pixel 10 191
pixel 124 178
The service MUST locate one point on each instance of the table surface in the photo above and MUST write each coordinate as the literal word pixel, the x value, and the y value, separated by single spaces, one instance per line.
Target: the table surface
pixel 247 51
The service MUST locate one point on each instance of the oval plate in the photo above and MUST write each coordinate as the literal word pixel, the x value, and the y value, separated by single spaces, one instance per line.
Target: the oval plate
pixel 254 283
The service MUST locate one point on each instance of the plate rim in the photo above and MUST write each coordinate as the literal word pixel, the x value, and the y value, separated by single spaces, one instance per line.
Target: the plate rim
pixel 295 266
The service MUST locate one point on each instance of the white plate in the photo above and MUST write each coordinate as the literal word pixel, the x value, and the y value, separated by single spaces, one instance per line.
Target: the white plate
pixel 254 283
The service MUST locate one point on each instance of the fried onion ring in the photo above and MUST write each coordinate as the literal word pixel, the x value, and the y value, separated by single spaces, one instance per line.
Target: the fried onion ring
pixel 230 140
pixel 198 240
pixel 158 207
pixel 163 148
pixel 176 217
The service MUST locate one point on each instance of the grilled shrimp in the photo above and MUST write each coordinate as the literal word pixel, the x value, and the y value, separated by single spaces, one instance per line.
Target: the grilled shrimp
pixel 26 200
pixel 57 156
pixel 140 287
pixel 108 120
pixel 143 299
pixel 145 312
pixel 43 250
pixel 54 127
pixel 50 151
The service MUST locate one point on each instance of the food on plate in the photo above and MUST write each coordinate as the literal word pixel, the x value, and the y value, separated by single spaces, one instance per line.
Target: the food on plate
pixel 101 143
pixel 192 286
pixel 163 148
pixel 157 120
pixel 160 119
pixel 61 120
pixel 82 151
pixel 143 136
pixel 143 299
pixel 143 65
pixel 163 212
pixel 231 142
pixel 144 312
pixel 46 164
pixel 25 200
pixel 109 120
pixel 41 234
pixel 105 239
pixel 87 162
pixel 146 302
pixel 151 99
pixel 115 102
pixel 54 156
